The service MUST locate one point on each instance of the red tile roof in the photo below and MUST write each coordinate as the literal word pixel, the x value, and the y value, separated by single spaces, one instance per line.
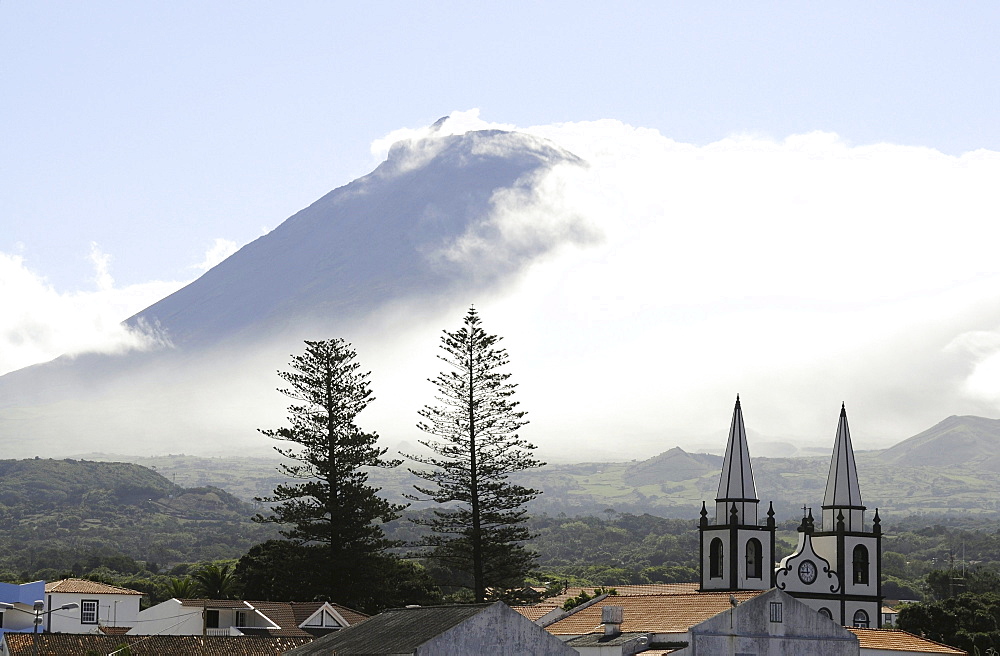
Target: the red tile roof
pixel 536 611
pixel 900 641
pixel 652 588
pixel 665 613
pixel 83 586
pixel 68 644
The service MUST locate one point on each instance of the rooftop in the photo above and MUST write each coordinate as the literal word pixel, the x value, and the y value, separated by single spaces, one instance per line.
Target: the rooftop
pixel 84 586
pixel 900 641
pixel 395 631
pixel 67 644
pixel 665 613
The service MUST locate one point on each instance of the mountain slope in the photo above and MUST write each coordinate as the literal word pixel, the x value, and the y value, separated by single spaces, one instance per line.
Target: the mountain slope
pixel 973 442
pixel 407 233
pixel 380 237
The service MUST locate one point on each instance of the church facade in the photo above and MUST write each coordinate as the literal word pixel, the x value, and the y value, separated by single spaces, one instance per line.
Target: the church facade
pixel 835 568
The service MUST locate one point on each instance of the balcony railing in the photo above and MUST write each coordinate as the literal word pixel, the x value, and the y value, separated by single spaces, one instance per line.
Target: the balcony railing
pixel 228 631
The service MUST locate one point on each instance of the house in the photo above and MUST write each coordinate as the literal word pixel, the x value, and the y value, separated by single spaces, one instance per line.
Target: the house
pixel 469 630
pixel 67 644
pixel 97 604
pixel 216 617
pixel 22 597
pixel 770 623
pixel 889 616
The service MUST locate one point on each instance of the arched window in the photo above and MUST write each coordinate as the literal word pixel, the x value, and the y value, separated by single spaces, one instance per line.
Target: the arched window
pixel 861 619
pixel 825 612
pixel 715 559
pixel 753 558
pixel 861 565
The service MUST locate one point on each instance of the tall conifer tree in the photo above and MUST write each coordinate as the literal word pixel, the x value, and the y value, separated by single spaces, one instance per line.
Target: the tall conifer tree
pixel 482 531
pixel 333 505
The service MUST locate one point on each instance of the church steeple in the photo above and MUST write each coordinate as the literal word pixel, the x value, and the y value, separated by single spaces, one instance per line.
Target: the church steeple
pixel 736 552
pixel 736 486
pixel 843 493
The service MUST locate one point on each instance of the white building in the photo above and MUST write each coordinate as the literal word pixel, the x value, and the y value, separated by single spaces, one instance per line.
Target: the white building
pixel 98 604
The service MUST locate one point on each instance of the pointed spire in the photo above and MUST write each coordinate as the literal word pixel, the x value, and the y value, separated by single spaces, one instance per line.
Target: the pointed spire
pixel 736 483
pixel 842 488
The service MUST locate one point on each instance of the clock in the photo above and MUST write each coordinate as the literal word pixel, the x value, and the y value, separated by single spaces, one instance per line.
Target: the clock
pixel 807 571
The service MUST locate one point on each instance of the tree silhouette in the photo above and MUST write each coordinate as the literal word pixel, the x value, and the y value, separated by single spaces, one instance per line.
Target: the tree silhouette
pixel 481 533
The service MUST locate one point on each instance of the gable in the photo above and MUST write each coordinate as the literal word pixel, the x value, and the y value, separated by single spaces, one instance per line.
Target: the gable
pixel 325 618
pixel 496 630
pixel 774 622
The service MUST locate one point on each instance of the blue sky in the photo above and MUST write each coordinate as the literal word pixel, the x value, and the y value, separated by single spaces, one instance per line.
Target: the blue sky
pixel 142 142
pixel 154 128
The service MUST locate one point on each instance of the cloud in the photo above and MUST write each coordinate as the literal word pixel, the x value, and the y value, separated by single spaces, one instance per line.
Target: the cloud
pixel 217 252
pixel 801 272
pixel 40 323
pixel 662 278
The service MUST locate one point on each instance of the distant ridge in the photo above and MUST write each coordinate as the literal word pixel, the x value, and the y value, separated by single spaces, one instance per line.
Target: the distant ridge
pixel 956 441
pixel 673 465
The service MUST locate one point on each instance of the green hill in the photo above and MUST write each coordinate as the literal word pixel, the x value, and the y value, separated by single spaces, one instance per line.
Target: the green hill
pixel 65 515
pixel 969 442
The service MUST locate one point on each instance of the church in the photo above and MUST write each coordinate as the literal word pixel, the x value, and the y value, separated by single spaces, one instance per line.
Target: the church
pixel 836 566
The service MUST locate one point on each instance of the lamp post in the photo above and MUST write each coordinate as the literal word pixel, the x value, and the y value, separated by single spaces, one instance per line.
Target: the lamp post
pixel 38 610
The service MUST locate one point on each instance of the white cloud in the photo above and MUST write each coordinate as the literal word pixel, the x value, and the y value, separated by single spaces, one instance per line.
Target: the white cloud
pixel 40 323
pixel 801 272
pixel 217 252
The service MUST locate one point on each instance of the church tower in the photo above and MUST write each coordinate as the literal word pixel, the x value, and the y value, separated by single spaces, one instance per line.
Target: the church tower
pixel 838 569
pixel 736 552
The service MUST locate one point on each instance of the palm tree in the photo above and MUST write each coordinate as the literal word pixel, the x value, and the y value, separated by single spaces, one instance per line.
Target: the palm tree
pixel 214 581
pixel 185 588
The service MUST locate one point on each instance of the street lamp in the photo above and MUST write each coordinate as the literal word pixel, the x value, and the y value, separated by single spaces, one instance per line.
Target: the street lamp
pixel 38 610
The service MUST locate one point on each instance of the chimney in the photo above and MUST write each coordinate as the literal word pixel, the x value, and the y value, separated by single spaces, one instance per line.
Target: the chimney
pixel 611 618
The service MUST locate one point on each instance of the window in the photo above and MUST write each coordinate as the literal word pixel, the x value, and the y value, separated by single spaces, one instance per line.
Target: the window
pixel 241 618
pixel 753 558
pixel 715 557
pixel 825 612
pixel 861 565
pixel 775 611
pixel 861 619
pixel 211 619
pixel 88 611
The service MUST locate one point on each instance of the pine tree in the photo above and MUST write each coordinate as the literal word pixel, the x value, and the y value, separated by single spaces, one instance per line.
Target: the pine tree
pixel 333 505
pixel 482 531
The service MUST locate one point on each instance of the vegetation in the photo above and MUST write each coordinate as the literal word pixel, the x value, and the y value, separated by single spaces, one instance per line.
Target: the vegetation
pixel 481 533
pixel 970 621
pixel 331 515
pixel 113 520
pixel 583 597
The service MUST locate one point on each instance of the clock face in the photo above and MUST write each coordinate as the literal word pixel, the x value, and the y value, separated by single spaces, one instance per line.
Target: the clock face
pixel 807 571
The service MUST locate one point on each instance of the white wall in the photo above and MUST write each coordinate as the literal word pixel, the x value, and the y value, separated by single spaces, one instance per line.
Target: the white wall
pixel 112 610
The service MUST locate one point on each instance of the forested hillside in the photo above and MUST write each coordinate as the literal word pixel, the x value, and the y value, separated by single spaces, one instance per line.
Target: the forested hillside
pixel 672 484
pixel 73 516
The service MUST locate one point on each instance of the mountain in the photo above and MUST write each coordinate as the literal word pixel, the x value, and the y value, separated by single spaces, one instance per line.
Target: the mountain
pixel 381 237
pixel 418 233
pixel 970 442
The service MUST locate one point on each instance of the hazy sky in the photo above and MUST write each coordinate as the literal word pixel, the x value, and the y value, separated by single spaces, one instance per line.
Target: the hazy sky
pixel 143 142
